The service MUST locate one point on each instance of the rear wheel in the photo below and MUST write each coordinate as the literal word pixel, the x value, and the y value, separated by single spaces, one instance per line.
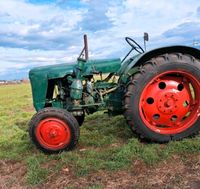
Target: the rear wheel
pixel 53 130
pixel 162 100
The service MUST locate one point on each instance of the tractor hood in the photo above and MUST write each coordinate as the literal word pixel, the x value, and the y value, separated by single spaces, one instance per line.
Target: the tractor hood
pixel 61 70
pixel 52 71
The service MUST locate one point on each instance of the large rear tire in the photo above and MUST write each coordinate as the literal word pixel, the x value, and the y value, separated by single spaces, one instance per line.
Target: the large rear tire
pixel 163 99
pixel 53 130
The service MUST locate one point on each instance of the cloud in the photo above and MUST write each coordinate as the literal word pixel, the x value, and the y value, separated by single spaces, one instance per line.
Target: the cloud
pixel 29 26
pixel 135 16
pixel 96 18
pixel 45 32
pixel 188 30
pixel 198 11
pixel 17 60
pixel 184 33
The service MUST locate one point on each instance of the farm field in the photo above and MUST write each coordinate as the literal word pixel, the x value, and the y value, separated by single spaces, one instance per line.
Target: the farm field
pixel 108 154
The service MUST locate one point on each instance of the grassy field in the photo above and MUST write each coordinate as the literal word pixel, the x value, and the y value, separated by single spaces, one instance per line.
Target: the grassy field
pixel 107 154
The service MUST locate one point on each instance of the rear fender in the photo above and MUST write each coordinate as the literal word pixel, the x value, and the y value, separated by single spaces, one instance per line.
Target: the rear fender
pixel 133 66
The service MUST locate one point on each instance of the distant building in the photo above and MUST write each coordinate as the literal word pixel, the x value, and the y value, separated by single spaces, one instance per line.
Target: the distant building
pixel 24 81
pixel 3 82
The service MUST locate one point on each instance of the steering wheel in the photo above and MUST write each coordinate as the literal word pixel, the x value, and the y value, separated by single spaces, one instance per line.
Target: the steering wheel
pixel 134 45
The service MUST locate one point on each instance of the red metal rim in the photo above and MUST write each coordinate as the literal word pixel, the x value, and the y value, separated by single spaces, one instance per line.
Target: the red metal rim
pixel 53 133
pixel 169 104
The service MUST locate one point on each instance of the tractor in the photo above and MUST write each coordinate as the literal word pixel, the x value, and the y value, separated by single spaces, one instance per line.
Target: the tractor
pixel 157 91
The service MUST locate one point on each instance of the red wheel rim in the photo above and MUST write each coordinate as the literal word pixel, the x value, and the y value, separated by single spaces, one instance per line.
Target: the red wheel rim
pixel 169 104
pixel 53 133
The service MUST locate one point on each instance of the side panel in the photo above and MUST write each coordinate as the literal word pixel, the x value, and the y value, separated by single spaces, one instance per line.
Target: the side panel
pixel 39 84
pixel 114 102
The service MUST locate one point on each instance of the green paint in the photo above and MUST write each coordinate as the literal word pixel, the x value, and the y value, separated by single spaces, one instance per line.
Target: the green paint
pixel 77 90
pixel 41 76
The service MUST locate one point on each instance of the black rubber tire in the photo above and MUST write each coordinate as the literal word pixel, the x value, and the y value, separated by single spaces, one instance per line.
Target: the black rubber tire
pixel 137 82
pixel 59 114
pixel 80 119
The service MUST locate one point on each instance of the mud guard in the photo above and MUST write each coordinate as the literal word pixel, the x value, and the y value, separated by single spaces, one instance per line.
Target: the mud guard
pixel 130 67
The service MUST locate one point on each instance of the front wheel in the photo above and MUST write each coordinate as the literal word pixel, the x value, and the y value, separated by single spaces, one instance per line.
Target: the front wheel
pixel 53 130
pixel 162 100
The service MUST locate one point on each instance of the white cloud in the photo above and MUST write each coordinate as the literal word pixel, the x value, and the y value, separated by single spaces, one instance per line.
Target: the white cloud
pixel 41 34
pixel 135 16
pixel 22 11
pixel 26 25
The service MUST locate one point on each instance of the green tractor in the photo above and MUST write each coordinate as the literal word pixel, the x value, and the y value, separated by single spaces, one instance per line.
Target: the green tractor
pixel 158 92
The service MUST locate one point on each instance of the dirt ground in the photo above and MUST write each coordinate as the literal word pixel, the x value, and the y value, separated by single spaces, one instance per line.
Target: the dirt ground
pixel 177 172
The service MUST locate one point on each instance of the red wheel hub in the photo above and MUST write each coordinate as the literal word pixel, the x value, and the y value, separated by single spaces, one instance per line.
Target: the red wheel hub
pixel 169 104
pixel 53 133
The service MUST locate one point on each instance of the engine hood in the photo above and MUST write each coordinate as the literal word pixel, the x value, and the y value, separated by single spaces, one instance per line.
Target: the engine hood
pixel 52 71
pixel 61 70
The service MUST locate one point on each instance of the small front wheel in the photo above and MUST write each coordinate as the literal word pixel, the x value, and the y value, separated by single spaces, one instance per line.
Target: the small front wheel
pixel 53 130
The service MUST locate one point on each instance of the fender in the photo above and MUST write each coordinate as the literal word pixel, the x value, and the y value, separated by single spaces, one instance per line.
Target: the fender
pixel 132 65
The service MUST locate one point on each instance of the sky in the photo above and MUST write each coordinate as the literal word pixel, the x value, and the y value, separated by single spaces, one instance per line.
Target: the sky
pixel 45 32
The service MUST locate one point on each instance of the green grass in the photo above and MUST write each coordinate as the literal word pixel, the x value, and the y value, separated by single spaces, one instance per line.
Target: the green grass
pixel 106 143
pixel 36 173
